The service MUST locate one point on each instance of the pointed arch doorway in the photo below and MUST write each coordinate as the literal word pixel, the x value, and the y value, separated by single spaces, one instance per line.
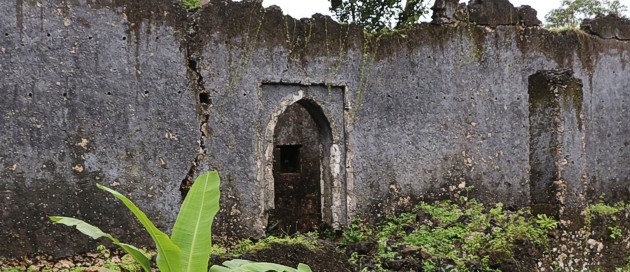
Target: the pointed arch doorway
pixel 301 138
pixel 302 168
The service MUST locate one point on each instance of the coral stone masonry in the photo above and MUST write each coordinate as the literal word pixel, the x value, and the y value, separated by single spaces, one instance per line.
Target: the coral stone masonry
pixel 309 122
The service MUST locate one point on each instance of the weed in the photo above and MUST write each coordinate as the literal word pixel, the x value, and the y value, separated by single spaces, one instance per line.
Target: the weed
pixel 615 232
pixel 191 4
pixel 545 222
pixel 603 209
pixel 308 240
pixel 447 236
pixel 355 233
pixel 608 217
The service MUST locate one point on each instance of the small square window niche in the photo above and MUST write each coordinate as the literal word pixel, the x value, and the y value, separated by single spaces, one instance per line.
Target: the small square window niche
pixel 290 158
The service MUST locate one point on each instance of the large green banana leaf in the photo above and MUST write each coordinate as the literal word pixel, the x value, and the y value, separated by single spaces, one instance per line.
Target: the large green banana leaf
pixel 192 232
pixel 238 265
pixel 169 255
pixel 96 233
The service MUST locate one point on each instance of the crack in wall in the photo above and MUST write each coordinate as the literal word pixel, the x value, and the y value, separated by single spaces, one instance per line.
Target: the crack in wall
pixel 203 104
pixel 201 155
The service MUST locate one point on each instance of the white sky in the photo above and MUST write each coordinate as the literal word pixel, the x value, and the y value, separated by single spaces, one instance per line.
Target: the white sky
pixel 306 8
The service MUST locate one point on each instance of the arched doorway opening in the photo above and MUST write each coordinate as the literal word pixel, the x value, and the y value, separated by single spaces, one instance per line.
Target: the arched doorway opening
pixel 301 169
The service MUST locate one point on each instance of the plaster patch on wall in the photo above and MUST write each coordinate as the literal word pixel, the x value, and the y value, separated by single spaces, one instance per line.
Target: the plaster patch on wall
pixel 337 190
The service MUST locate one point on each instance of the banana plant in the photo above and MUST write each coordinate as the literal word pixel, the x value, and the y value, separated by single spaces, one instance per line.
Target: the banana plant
pixel 238 265
pixel 188 248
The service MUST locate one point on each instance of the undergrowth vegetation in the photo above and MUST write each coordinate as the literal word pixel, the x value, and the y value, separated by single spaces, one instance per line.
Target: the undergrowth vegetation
pixel 451 236
pixel 610 216
pixel 461 235
pixel 607 222
pixel 601 208
pixel 308 240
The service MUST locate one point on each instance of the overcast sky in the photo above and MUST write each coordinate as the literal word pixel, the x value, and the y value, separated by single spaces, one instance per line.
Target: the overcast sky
pixel 306 8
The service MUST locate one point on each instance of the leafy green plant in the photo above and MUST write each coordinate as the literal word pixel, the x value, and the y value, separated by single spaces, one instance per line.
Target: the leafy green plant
pixel 602 208
pixel 615 232
pixel 451 236
pixel 354 233
pixel 189 247
pixel 191 4
pixel 546 222
pixel 247 266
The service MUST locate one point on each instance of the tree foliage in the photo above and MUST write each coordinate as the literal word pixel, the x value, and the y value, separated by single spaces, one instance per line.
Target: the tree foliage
pixel 572 12
pixel 379 15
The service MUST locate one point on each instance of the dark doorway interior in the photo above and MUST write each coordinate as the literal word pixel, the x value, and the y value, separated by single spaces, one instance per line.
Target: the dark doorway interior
pixel 297 173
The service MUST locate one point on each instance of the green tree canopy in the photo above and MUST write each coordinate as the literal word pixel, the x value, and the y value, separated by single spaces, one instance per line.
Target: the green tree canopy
pixel 572 12
pixel 379 15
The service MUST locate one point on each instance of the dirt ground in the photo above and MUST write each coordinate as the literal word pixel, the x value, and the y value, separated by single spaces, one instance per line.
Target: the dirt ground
pixel 326 257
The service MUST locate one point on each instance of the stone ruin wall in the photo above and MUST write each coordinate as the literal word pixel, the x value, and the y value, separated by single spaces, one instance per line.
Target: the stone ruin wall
pixel 141 96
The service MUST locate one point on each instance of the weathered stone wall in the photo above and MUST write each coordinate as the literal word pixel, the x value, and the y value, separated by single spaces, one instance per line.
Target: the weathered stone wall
pixel 93 92
pixel 140 95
